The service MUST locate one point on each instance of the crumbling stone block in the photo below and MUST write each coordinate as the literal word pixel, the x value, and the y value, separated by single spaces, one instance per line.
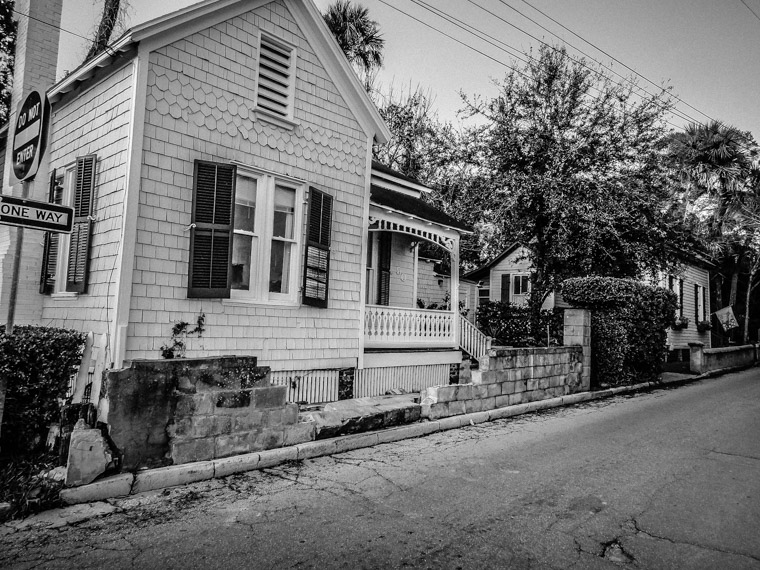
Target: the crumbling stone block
pixel 89 456
pixel 270 397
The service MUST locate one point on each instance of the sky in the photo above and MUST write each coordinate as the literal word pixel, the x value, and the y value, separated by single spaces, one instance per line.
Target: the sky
pixel 707 51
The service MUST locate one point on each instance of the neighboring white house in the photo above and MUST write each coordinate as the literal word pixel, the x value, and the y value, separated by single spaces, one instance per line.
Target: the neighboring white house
pixel 219 160
pixel 507 278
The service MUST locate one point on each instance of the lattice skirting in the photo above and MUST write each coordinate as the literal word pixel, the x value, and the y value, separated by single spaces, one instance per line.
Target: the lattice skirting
pixel 315 386
pixel 310 386
pixel 377 381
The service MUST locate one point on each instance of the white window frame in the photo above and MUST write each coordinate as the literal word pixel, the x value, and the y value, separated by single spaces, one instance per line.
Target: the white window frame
pixel 701 305
pixel 267 115
pixel 677 287
pixel 523 296
pixel 64 239
pixel 261 254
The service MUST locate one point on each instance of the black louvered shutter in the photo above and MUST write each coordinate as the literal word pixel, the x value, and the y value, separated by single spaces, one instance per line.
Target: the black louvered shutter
pixel 50 243
pixel 697 316
pixel 384 269
pixel 317 263
pixel 505 283
pixel 211 231
pixel 79 245
pixel 680 296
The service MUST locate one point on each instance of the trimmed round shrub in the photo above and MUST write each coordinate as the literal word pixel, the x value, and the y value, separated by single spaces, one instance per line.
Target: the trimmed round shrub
pixel 628 326
pixel 37 363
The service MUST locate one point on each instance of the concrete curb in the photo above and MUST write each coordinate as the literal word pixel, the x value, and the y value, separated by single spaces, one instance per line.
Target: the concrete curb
pixel 152 479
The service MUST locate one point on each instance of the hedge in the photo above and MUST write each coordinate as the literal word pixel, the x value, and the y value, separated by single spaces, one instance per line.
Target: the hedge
pixel 37 363
pixel 628 326
pixel 509 325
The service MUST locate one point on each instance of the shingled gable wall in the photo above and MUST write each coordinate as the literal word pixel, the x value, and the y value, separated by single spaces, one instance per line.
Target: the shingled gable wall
pixel 200 106
pixel 510 376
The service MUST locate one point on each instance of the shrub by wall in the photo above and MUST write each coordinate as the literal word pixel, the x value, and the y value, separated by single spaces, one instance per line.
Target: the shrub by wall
pixel 509 325
pixel 37 363
pixel 628 326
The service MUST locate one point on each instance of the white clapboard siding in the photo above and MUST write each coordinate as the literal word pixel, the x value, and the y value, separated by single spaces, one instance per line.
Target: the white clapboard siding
pixel 312 386
pixel 377 381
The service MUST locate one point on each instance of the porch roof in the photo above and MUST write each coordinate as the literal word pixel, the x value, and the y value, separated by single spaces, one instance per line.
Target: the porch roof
pixel 412 206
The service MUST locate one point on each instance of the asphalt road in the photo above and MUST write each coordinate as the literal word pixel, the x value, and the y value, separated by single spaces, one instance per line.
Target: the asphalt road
pixel 665 479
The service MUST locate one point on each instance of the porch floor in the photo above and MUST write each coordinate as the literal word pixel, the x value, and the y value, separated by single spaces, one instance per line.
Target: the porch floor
pixel 363 414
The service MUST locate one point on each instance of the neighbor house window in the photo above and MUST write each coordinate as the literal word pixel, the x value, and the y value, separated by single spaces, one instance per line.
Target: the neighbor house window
pixel 675 284
pixel 275 86
pixel 699 303
pixel 484 295
pixel 66 257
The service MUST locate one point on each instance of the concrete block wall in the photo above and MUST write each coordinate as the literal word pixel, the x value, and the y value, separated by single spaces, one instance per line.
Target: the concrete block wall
pixel 199 105
pixel 163 412
pixel 708 359
pixel 509 376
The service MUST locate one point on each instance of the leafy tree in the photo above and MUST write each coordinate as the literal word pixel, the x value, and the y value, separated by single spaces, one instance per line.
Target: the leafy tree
pixel 7 57
pixel 576 172
pixel 358 36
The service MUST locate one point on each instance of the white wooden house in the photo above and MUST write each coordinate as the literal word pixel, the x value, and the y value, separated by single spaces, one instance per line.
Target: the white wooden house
pixel 219 162
pixel 507 278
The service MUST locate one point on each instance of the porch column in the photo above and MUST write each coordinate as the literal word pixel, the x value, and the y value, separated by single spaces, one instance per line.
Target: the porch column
pixel 455 287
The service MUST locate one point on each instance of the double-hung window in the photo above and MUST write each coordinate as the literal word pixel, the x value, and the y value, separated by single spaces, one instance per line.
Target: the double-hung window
pixel 520 289
pixel 247 237
pixel 699 303
pixel 65 258
pixel 265 242
pixel 675 284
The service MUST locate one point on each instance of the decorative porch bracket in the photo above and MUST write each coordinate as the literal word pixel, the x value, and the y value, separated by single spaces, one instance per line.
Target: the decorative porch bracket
pixel 380 224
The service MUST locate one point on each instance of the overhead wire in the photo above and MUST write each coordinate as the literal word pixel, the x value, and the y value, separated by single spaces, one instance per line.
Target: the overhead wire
pixel 498 61
pixel 613 58
pixel 755 14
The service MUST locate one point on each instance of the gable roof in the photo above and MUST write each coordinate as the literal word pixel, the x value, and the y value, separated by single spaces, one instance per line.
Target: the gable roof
pixel 412 206
pixel 484 270
pixel 163 30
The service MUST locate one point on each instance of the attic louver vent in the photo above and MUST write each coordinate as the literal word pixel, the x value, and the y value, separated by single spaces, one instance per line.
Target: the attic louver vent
pixel 274 81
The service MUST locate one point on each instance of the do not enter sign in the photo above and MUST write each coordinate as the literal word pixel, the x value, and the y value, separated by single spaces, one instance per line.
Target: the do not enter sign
pixel 28 136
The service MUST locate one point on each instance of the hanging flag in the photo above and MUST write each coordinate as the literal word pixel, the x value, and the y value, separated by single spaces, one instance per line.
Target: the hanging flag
pixel 727 319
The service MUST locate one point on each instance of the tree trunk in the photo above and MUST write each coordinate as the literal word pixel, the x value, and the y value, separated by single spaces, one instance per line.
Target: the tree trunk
pixel 105 28
pixel 750 280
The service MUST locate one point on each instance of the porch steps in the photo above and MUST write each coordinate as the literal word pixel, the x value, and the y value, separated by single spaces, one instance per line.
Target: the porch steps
pixel 363 414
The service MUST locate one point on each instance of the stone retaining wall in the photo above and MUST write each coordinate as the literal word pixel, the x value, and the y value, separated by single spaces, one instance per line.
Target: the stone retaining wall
pixel 163 412
pixel 708 359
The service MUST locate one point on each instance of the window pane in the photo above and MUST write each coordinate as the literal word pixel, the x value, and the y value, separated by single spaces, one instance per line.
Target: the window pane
pixel 241 261
pixel 284 212
pixel 245 204
pixel 279 268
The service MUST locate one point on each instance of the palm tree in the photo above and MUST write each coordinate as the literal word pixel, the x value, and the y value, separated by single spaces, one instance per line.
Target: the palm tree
pixel 358 36
pixel 715 161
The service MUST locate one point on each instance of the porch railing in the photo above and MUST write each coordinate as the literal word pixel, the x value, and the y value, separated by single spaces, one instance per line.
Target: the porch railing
pixel 397 327
pixel 472 340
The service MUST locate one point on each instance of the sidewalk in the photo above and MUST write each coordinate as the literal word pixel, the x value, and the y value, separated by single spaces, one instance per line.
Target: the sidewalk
pixel 342 426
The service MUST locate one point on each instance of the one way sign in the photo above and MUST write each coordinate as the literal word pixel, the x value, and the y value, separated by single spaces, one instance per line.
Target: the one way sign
pixel 37 215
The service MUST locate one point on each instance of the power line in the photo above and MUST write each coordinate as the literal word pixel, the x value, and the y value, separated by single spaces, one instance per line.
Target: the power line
pixel 613 58
pixel 675 111
pixel 435 11
pixel 50 25
pixel 755 14
pixel 517 54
